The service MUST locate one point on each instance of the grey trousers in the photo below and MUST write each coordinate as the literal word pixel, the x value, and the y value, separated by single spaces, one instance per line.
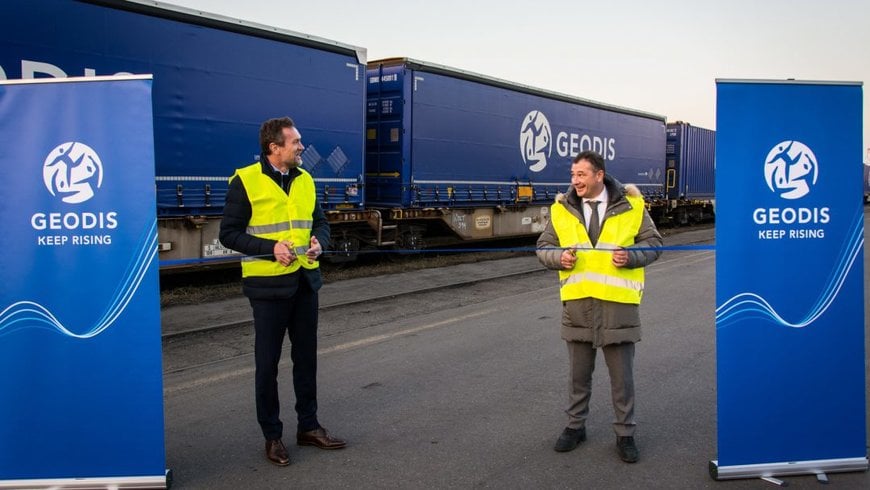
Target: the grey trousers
pixel 620 364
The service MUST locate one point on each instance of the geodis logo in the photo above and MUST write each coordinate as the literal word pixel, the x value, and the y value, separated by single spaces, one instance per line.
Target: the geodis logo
pixel 791 170
pixel 537 141
pixel 73 172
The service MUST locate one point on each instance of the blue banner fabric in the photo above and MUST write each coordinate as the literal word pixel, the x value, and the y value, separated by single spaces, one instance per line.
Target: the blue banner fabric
pixel 789 273
pixel 80 349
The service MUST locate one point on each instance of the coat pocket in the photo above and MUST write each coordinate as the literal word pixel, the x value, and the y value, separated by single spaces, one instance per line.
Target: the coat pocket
pixel 577 313
pixel 620 315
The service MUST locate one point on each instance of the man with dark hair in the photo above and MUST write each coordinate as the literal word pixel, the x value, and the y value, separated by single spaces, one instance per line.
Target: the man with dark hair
pixel 599 238
pixel 273 217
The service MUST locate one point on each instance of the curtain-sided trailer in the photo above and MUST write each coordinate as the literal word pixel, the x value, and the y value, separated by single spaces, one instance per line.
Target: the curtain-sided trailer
pixel 456 154
pixel 215 80
pixel 690 175
pixel 867 177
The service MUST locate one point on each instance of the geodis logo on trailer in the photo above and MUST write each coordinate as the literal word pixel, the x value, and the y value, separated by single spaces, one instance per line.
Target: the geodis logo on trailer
pixel 73 172
pixel 791 170
pixel 536 142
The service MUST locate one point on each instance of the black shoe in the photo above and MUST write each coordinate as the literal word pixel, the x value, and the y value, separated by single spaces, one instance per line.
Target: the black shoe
pixel 626 449
pixel 276 453
pixel 570 439
pixel 319 438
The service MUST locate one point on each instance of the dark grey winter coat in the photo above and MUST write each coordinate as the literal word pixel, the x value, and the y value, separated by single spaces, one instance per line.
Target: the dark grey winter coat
pixel 589 319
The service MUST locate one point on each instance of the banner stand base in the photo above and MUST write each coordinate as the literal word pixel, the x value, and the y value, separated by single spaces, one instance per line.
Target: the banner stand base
pixel 816 467
pixel 116 482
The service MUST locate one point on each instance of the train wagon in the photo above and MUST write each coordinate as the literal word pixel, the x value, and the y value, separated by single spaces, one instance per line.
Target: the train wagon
pixel 690 182
pixel 215 80
pixel 452 154
pixel 867 177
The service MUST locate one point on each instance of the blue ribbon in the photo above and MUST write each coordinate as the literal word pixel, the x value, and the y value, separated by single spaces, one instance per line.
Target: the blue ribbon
pixel 226 258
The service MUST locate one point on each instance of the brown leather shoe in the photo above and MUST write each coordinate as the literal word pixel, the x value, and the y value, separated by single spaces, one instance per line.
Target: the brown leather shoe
pixel 277 453
pixel 319 438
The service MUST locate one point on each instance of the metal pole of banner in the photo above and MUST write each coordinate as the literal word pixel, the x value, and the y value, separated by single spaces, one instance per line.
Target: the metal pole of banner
pixel 133 482
pixel 819 467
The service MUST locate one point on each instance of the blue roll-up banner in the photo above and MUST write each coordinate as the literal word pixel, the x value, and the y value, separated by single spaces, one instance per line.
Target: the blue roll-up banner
pixel 789 279
pixel 80 349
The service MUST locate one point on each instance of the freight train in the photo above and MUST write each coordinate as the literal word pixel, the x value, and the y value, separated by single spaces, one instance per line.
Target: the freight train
pixel 867 177
pixel 690 176
pixel 404 153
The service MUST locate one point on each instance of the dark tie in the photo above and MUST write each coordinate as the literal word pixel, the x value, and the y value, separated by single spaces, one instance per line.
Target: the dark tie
pixel 593 228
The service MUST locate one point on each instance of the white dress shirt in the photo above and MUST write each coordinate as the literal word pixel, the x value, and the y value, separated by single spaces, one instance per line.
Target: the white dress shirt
pixel 602 206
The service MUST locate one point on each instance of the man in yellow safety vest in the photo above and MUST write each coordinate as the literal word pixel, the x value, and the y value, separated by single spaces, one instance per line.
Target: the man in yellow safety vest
pixel 273 217
pixel 599 238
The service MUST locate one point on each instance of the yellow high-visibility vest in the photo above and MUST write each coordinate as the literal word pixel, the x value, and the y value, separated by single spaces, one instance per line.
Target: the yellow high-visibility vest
pixel 594 275
pixel 278 216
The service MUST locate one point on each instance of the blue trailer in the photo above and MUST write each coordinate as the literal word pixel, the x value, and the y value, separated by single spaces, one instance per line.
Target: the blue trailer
pixel 482 158
pixel 215 80
pixel 691 169
pixel 866 183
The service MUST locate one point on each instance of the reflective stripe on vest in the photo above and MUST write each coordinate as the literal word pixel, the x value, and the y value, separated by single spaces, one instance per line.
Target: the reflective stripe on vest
pixel 275 215
pixel 287 225
pixel 594 275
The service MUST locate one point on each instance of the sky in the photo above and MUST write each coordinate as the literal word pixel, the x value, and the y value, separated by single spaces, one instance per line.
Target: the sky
pixel 661 57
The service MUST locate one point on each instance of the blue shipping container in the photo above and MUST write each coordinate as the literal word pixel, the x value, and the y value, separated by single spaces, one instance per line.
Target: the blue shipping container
pixel 691 162
pixel 215 81
pixel 440 137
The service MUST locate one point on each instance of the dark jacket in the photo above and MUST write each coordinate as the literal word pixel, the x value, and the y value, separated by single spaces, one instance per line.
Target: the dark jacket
pixel 590 319
pixel 234 235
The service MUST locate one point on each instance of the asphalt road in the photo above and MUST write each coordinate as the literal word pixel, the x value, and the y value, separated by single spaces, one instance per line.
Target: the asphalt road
pixel 465 388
